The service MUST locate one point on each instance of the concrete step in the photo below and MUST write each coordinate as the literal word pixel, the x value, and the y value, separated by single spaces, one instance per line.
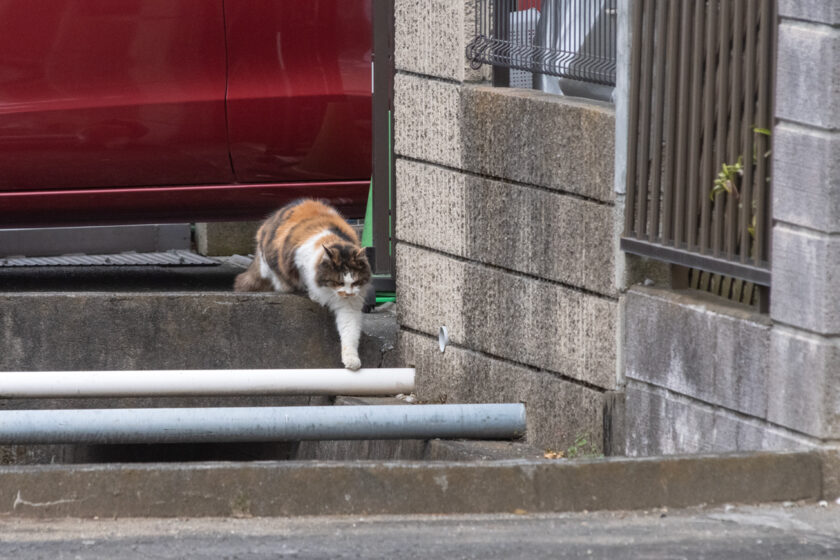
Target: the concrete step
pixel 288 488
pixel 169 330
pixel 136 321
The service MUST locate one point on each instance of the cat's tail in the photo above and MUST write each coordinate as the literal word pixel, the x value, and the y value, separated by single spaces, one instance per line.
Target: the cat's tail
pixel 251 280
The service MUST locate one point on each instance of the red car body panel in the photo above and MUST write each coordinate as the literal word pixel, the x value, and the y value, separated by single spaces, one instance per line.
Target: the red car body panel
pixel 135 111
pixel 170 204
pixel 299 89
pixel 97 93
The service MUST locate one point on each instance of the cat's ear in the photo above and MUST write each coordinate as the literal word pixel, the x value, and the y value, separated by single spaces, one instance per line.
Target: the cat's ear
pixel 361 254
pixel 328 253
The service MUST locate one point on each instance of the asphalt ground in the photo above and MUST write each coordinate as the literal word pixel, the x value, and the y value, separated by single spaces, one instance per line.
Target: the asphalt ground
pixel 729 532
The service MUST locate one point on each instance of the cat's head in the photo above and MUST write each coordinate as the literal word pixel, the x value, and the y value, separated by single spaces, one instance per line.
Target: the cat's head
pixel 344 269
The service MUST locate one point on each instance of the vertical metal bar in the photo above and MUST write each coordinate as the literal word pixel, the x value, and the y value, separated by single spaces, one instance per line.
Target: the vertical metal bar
pixel 671 141
pixel 722 107
pixel 771 116
pixel 695 128
pixel 501 31
pixel 736 99
pixel 383 103
pixel 630 228
pixel 706 177
pixel 680 180
pixel 763 121
pixel 658 115
pixel 644 118
pixel 747 133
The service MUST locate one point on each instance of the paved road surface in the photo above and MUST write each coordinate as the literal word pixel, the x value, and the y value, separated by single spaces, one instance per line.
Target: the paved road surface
pixel 740 533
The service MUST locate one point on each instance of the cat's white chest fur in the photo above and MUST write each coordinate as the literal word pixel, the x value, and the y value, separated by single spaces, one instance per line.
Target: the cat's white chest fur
pixel 347 310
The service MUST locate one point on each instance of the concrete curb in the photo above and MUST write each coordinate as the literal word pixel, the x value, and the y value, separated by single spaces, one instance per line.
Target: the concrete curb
pixel 366 488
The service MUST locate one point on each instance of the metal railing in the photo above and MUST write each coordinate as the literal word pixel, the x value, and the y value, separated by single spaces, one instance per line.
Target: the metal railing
pixel 701 113
pixel 382 212
pixel 567 38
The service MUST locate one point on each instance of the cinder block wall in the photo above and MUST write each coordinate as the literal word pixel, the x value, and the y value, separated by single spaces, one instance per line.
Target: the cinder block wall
pixel 805 306
pixel 702 376
pixel 506 236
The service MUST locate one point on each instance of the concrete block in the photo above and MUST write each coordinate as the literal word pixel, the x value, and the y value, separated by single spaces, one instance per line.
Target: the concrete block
pixel 432 207
pixel 128 331
pixel 226 238
pixel 294 488
pixel 805 269
pixel 529 321
pixel 700 347
pixel 545 234
pixel 472 450
pixel 558 411
pixel 660 422
pixel 806 177
pixel 427 120
pixel 804 375
pixel 429 37
pixel 532 137
pixel 808 74
pixel 819 11
pixel 831 473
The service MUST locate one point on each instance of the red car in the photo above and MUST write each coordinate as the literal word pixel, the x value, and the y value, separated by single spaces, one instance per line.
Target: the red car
pixel 130 111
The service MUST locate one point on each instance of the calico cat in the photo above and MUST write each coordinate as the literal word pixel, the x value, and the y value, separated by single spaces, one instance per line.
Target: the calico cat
pixel 308 246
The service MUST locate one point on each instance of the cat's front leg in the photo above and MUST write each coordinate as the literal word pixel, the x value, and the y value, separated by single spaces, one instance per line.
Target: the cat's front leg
pixel 348 320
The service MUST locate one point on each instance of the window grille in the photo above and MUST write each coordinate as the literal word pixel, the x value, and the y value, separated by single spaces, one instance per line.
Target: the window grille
pixel 566 38
pixel 700 135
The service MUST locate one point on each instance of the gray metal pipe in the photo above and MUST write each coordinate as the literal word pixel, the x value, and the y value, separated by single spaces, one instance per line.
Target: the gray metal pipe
pixel 193 425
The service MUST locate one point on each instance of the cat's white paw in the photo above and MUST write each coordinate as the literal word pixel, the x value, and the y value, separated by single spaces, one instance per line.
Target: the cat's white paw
pixel 351 362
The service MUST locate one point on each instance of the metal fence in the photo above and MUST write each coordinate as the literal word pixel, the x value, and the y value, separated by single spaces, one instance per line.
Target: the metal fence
pixel 700 134
pixel 566 38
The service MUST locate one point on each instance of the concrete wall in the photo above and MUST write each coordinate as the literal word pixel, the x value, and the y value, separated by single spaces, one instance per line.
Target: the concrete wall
pixel 805 345
pixel 702 376
pixel 505 228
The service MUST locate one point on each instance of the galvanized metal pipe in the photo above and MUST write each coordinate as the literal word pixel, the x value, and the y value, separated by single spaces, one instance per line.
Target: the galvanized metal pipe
pixel 153 383
pixel 187 425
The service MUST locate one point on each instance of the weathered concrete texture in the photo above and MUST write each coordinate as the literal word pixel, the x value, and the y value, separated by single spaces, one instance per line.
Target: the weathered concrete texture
pixel 522 319
pixel 466 450
pixel 522 135
pixel 226 238
pixel 831 473
pixel 808 74
pixel 545 234
pixel 805 268
pixel 804 374
pixel 806 177
pixel 819 11
pixel 540 139
pixel 558 411
pixel 415 450
pixel 364 488
pixel 107 331
pixel 429 37
pixel 432 208
pixel 427 120
pixel 660 422
pixel 697 346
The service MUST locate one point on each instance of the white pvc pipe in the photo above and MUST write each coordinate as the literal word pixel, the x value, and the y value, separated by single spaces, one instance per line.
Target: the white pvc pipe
pixel 147 383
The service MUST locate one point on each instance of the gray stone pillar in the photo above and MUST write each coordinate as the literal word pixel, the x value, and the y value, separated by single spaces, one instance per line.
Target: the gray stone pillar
pixel 805 304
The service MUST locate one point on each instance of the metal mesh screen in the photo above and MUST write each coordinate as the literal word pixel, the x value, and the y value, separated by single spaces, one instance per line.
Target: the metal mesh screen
pixel 566 38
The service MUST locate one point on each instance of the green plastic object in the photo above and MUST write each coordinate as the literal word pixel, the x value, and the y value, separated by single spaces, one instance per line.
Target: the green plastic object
pixel 367 229
pixel 385 297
